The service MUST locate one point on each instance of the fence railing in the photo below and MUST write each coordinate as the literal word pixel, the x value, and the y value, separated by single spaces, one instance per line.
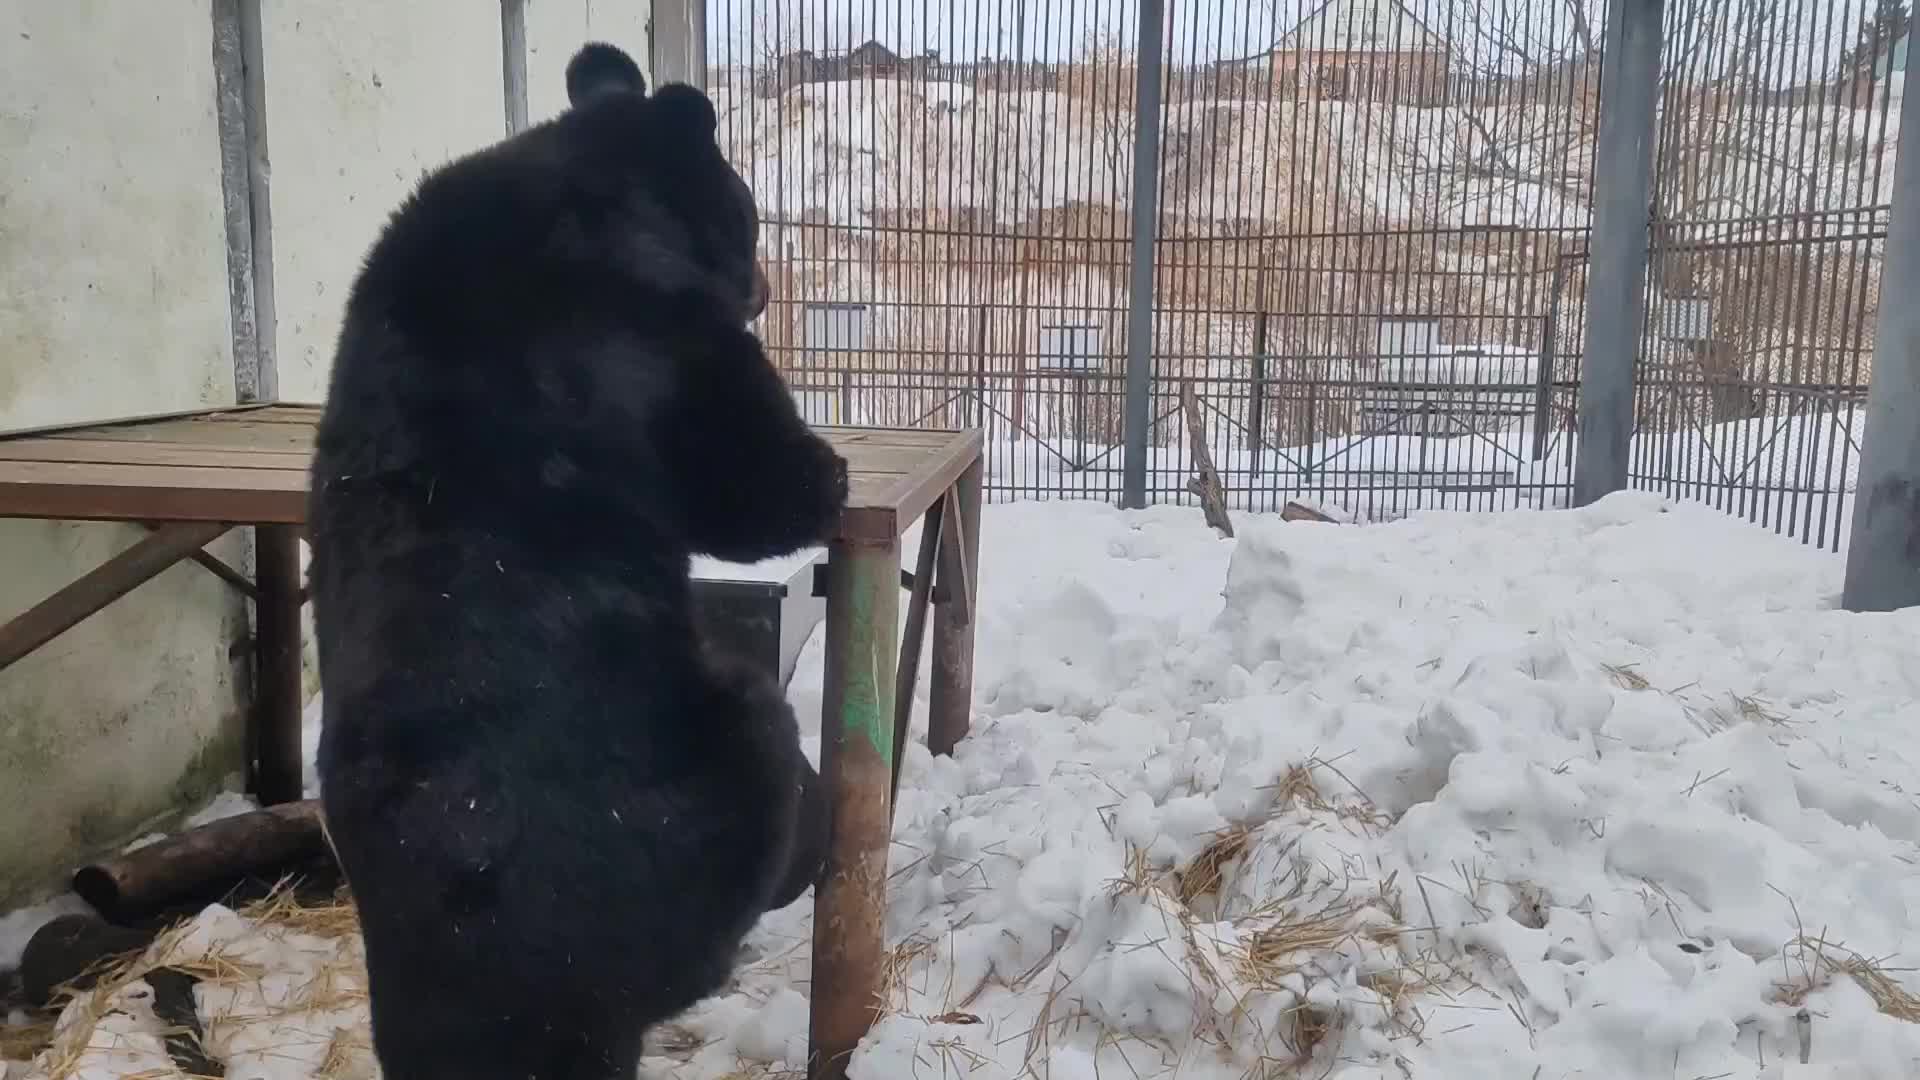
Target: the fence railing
pixel 1370 238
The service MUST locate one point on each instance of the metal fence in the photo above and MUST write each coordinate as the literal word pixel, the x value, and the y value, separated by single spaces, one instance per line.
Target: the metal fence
pixel 1368 240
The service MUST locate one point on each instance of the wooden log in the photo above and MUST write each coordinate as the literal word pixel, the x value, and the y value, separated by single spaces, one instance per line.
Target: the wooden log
pixel 208 859
pixel 1294 511
pixel 1206 481
pixel 72 952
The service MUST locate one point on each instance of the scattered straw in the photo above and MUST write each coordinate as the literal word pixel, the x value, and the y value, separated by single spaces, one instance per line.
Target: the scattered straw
pixel 334 918
pixel 1204 875
pixel 347 1054
pixel 1626 678
pixel 1819 961
pixel 1271 949
pixel 1311 1026
pixel 896 970
pixel 1297 788
pixel 20 1042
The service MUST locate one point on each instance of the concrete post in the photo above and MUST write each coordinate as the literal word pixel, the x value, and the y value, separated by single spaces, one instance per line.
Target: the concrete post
pixel 1883 556
pixel 513 62
pixel 678 47
pixel 1617 272
pixel 1138 414
pixel 240 106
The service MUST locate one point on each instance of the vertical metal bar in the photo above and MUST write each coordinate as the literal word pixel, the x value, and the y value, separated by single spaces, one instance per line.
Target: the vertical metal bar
pixel 1883 556
pixel 240 104
pixel 677 48
pixel 274 757
pixel 229 77
pixel 1146 202
pixel 1257 405
pixel 950 694
pixel 856 747
pixel 980 366
pixel 513 62
pixel 260 203
pixel 277 758
pixel 1617 275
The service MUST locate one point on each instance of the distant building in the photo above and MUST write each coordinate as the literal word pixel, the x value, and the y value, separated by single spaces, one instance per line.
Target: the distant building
pixel 990 74
pixel 870 60
pixel 1353 50
pixel 1892 60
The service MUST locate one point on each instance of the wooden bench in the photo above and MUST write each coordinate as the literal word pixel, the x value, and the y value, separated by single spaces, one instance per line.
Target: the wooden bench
pixel 189 478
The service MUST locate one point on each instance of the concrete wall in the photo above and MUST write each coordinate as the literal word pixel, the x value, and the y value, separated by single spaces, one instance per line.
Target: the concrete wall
pixel 362 98
pixel 112 251
pixel 555 31
pixel 114 303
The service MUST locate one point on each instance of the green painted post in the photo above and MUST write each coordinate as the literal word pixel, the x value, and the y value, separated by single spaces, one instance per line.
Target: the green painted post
pixel 856 765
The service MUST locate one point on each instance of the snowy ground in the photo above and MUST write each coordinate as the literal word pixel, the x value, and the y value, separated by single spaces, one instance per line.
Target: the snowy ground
pixel 1609 793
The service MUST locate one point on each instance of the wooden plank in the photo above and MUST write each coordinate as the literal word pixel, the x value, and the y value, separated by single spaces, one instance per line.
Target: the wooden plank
pixel 199 433
pixel 914 494
pixel 905 460
pixel 181 477
pixel 67 502
pixel 950 695
pixel 845 439
pixel 218 569
pixel 74 449
pixel 94 492
pixel 252 467
pixel 956 568
pixel 283 412
pixel 907 675
pixel 101 586
pixel 122 421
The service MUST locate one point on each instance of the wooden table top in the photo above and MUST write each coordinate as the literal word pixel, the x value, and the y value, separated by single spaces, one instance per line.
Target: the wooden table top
pixel 248 465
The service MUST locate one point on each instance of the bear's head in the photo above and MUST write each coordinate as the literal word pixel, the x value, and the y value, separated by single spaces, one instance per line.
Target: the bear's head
pixel 677 191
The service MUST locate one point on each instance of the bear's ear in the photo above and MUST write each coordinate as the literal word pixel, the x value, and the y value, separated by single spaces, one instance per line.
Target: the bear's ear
pixel 686 110
pixel 599 68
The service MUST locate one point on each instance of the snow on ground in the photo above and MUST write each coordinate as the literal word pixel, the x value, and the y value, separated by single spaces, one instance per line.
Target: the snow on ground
pixel 1605 793
pixel 1792 474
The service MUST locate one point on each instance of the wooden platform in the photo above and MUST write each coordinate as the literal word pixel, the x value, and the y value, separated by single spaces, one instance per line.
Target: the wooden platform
pixel 249 465
pixel 192 477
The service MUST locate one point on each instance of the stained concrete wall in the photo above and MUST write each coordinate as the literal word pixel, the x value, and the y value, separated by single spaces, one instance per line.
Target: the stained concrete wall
pixel 113 302
pixel 362 98
pixel 113 259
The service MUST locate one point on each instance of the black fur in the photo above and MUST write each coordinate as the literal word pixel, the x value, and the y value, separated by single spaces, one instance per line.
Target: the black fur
pixel 558 813
pixel 601 68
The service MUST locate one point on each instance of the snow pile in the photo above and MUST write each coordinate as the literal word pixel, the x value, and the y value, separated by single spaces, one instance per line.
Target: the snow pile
pixel 1601 793
pixel 1613 792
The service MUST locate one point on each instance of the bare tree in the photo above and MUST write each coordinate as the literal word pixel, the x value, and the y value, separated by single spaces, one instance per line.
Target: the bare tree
pixel 1101 82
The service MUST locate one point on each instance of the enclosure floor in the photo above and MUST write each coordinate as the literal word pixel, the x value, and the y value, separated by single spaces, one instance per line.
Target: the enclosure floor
pixel 1604 793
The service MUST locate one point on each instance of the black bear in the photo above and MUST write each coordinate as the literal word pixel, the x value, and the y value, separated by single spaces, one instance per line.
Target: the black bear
pixel 558 812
